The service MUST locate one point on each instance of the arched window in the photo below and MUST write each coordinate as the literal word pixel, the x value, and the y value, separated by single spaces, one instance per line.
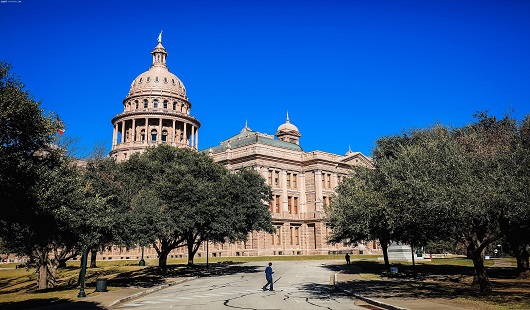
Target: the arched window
pixel 142 135
pixel 165 104
pixel 164 135
pixel 146 104
pixel 156 79
pixel 182 108
pixel 153 135
pixel 155 103
pixel 165 79
pixel 174 106
pixel 136 102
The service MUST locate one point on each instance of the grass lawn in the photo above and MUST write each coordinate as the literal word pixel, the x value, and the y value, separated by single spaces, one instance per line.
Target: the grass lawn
pixel 448 279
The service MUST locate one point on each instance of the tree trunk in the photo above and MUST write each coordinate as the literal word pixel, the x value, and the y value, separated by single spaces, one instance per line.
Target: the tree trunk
pixel 93 255
pixel 43 279
pixel 480 272
pixel 162 261
pixel 469 251
pixel 414 273
pixel 384 247
pixel 191 253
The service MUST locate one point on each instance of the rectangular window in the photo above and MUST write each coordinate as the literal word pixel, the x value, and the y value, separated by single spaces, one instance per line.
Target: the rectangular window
pixel 323 180
pixel 295 183
pixel 329 180
pixel 272 206
pixel 270 178
pixel 277 204
pixel 288 180
pixel 289 204
pixel 278 235
pixel 295 205
pixel 276 178
pixel 297 235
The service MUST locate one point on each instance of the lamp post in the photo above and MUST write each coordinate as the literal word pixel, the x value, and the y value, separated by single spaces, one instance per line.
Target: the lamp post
pixel 142 261
pixel 83 273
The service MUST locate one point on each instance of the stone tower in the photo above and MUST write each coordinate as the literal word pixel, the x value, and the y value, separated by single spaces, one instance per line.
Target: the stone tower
pixel 156 110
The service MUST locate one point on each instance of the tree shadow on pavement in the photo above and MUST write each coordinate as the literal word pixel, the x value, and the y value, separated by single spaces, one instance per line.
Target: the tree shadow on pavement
pixel 433 281
pixel 323 291
pixel 150 276
pixel 51 304
pixel 212 270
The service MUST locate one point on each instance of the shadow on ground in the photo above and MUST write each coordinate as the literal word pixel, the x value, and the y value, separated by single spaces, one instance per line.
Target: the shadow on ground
pixel 52 303
pixel 432 281
pixel 150 276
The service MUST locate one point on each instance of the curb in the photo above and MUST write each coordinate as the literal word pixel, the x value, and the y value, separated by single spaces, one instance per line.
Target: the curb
pixel 149 291
pixel 371 301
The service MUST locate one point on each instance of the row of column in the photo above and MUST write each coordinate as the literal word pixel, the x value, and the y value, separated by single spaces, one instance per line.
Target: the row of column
pixel 194 132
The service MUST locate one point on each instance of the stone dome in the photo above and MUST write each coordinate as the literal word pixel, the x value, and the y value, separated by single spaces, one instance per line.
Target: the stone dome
pixel 287 126
pixel 158 79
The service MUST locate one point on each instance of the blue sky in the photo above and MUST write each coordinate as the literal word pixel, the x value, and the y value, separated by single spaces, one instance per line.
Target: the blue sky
pixel 348 72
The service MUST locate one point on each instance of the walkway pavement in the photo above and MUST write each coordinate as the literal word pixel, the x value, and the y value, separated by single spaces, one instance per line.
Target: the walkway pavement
pixel 111 298
pixel 345 281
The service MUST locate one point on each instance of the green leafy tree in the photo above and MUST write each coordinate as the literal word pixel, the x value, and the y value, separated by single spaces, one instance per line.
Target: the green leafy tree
pixel 412 164
pixel 101 182
pixel 24 130
pixel 360 211
pixel 180 197
pixel 462 184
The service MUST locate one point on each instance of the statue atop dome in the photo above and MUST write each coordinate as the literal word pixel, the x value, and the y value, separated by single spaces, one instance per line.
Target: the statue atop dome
pixel 160 36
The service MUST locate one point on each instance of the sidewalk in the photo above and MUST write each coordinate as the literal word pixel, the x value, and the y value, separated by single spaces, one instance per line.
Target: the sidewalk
pixel 109 299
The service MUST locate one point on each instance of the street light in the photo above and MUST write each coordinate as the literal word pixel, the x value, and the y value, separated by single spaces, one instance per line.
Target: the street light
pixel 83 273
pixel 142 261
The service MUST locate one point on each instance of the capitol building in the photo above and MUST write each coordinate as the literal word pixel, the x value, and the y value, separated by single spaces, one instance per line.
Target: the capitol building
pixel 157 110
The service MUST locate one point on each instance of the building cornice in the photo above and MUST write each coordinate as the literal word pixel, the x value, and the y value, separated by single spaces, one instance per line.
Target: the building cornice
pixel 156 113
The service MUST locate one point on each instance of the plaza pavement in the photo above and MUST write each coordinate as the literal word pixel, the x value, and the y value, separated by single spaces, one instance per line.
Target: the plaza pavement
pixel 381 300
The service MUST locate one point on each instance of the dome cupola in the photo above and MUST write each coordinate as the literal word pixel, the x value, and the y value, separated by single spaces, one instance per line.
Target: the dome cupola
pixel 288 132
pixel 158 79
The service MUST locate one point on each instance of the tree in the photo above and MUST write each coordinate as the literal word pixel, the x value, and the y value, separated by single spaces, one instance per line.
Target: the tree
pixel 101 181
pixel 30 170
pixel 360 211
pixel 180 197
pixel 466 185
pixel 24 130
pixel 463 183
pixel 414 168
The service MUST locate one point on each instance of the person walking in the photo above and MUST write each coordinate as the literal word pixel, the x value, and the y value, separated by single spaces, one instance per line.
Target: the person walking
pixel 347 258
pixel 268 276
